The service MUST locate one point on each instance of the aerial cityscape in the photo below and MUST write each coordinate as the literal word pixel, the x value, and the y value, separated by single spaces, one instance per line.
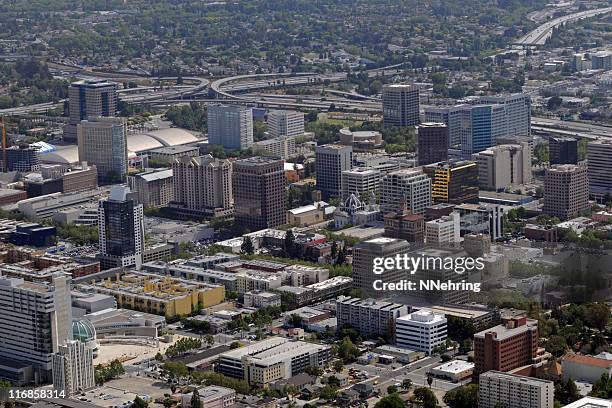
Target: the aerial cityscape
pixel 302 204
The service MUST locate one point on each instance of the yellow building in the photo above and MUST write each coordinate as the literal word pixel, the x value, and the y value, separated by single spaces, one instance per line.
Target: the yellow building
pixel 160 295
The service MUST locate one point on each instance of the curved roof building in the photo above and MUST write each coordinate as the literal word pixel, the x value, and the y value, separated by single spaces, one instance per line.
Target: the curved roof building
pixel 173 136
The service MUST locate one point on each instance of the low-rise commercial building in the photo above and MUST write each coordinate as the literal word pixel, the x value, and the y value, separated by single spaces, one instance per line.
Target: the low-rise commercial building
pixel 368 316
pixel 454 370
pixel 585 368
pixel 212 396
pixel 260 299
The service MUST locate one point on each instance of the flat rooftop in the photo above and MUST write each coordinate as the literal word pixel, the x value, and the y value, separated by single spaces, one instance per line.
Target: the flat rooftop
pixel 455 367
pixel 504 333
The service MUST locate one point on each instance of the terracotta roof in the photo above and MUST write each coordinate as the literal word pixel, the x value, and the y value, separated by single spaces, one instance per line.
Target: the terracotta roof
pixel 587 360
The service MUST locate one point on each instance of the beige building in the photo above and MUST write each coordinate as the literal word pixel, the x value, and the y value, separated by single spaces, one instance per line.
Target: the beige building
pixel 202 184
pixel 306 215
pixel 411 186
pixel 566 191
pixel 444 231
pixel 102 142
pixel 285 123
pixel 282 146
pixel 497 389
pixel 504 166
pixel 400 105
pixel 153 188
pixel 364 183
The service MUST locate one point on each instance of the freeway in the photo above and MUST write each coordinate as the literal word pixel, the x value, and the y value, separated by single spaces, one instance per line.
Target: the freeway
pixel 544 31
pixel 568 128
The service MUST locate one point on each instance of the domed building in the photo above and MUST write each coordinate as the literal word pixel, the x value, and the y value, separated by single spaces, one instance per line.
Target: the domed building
pixel 84 331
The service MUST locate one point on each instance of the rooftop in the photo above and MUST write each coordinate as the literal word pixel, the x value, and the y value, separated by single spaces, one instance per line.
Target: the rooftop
pixel 587 360
pixel 515 378
pixel 502 332
pixel 455 366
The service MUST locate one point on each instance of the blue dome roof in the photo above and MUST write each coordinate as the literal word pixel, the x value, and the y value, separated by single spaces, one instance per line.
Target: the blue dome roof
pixel 83 330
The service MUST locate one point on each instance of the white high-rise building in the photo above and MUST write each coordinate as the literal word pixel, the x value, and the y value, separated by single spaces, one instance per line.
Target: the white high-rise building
pixel 444 231
pixel 497 389
pixel 364 183
pixel 410 184
pixel 421 331
pixel 285 123
pixel 599 160
pixel 73 369
pixel 518 112
pixel 230 126
pixel 35 319
pixel 120 229
pixel 504 166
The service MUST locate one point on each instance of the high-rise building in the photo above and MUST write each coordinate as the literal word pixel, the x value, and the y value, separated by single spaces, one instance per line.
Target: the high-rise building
pixel 331 161
pixel 400 105
pixel 504 166
pixel 89 98
pixel 563 150
pixel 368 316
pixel 22 159
pixel 432 143
pixel 364 183
pixel 285 123
pixel 566 191
pixel 35 319
pixel 510 345
pixel 421 331
pixel 497 389
pixel 73 369
pixel 152 188
pixel 102 142
pixel 259 192
pixel 283 146
pixel 481 125
pixel 451 117
pixel 453 182
pixel 601 60
pixel 517 111
pixel 203 185
pixel 363 262
pixel 230 126
pixel 599 159
pixel 444 231
pixel 410 185
pixel 120 230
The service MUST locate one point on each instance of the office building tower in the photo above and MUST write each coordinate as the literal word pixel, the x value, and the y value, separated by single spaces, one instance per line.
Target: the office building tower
pixel 153 188
pixel 120 230
pixel 601 60
pixel 481 125
pixel 89 98
pixel 102 142
pixel 285 123
pixel 35 319
pixel 364 183
pixel 453 182
pixel 432 143
pixel 599 159
pixel 481 219
pixel 408 186
pixel 451 117
pixel 203 185
pixel 259 192
pixel 283 146
pixel 566 191
pixel 517 109
pixel 421 331
pixel 504 166
pixel 331 161
pixel 400 105
pixel 563 150
pixel 73 370
pixel 497 389
pixel 363 262
pixel 368 316
pixel 444 231
pixel 510 345
pixel 21 159
pixel 230 126
pixel 83 178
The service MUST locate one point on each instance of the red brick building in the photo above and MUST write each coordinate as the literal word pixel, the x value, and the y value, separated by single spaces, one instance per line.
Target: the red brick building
pixel 510 345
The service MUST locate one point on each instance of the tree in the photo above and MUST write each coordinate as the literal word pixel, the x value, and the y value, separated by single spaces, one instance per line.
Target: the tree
pixel 210 340
pixel 338 366
pixel 462 397
pixel 556 345
pixel 429 380
pixel 334 250
pixel 341 258
pixel 235 345
pixel 392 389
pixel 445 358
pixel 159 356
pixel 295 320
pixel 566 392
pixel 328 392
pixel 602 387
pixel 426 397
pixel 247 246
pixel 554 102
pixel 347 351
pixel 597 316
pixel 406 384
pixel 139 403
pixel 195 399
pixel 9 404
pixel 390 401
